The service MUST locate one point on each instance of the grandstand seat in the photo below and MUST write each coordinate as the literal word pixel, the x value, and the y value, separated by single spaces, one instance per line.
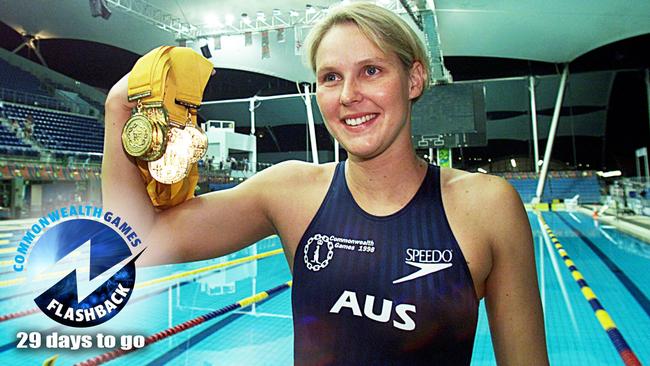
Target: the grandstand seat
pixel 58 130
pixel 560 186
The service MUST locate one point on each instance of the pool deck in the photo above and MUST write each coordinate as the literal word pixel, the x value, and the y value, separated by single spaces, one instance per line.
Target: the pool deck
pixel 633 225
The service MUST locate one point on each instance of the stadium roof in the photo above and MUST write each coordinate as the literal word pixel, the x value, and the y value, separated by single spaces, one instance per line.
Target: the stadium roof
pixel 479 40
pixel 555 31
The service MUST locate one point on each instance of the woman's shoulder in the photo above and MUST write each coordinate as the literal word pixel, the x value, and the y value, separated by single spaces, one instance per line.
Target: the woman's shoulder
pixel 483 192
pixel 293 174
pixel 486 202
pixel 300 170
pixel 453 178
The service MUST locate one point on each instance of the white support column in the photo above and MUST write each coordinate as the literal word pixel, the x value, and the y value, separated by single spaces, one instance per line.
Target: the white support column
pixel 551 135
pixel 641 155
pixel 253 157
pixel 533 115
pixel 310 124
pixel 251 109
pixel 336 150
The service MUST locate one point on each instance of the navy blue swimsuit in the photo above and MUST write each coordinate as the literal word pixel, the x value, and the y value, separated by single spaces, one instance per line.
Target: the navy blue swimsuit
pixel 390 290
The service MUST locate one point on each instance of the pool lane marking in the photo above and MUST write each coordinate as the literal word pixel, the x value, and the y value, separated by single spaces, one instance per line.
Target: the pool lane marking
pixel 20 280
pixel 42 276
pixel 606 322
pixel 260 296
pixel 12 345
pixel 575 218
pixel 558 276
pixel 632 288
pixel 209 268
pixel 172 353
pixel 607 236
pixel 234 262
pixel 8 263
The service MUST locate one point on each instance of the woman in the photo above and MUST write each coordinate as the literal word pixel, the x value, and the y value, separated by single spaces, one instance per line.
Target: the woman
pixel 389 255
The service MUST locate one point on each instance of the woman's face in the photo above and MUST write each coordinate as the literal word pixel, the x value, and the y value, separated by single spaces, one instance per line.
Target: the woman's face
pixel 364 94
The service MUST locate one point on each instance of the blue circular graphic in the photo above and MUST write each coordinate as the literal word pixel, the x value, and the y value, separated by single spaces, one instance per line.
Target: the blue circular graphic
pixel 93 249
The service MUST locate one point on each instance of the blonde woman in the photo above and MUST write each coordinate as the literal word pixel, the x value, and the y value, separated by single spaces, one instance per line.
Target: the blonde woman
pixel 390 256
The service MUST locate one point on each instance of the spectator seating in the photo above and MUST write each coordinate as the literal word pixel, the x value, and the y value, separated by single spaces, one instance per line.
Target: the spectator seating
pixel 559 187
pixel 10 144
pixel 62 131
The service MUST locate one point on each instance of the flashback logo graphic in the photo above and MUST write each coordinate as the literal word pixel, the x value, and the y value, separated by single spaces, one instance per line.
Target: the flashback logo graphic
pixel 87 268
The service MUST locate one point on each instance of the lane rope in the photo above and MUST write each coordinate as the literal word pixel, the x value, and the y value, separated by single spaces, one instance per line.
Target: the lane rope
pixel 622 347
pixel 156 281
pixel 118 352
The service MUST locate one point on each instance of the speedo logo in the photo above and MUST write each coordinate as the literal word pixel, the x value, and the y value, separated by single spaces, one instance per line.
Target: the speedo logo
pixel 427 261
pixel 348 299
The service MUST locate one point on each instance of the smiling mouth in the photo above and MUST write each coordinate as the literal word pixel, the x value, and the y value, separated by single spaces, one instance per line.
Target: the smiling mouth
pixel 359 120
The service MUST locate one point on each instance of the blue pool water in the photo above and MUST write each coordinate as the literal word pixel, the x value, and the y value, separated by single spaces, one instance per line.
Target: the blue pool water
pixel 616 266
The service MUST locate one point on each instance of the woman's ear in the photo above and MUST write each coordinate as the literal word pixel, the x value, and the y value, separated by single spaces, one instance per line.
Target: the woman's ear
pixel 416 80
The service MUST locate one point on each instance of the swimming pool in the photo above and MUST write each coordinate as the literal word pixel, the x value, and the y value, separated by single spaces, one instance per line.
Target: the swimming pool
pixel 614 264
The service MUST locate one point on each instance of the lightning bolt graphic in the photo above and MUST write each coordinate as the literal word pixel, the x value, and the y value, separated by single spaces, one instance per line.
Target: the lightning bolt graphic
pixel 70 262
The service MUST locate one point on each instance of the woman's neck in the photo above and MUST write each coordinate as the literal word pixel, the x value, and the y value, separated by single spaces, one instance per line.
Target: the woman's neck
pixel 389 180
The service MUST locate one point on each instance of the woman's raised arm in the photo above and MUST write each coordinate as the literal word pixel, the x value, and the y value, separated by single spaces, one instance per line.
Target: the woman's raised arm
pixel 204 227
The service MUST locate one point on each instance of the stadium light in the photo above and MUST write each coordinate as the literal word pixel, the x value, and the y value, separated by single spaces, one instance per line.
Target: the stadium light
pixel 610 174
pixel 481 170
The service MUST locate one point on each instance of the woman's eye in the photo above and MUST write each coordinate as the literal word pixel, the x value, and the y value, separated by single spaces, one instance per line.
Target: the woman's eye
pixel 329 77
pixel 372 70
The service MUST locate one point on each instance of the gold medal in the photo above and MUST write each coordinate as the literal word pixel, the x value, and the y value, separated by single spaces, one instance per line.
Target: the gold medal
pixel 174 165
pixel 199 142
pixel 158 116
pixel 157 147
pixel 137 134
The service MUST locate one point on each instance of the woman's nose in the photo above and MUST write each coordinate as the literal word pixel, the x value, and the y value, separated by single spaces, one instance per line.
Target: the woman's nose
pixel 351 92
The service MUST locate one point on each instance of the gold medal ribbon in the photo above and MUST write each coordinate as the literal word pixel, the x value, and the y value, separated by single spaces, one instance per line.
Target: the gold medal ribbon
pixel 196 71
pixel 144 134
pixel 147 79
pixel 177 77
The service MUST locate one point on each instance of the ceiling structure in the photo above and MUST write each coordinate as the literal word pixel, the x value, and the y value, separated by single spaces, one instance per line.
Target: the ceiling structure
pixel 553 31
pixel 480 39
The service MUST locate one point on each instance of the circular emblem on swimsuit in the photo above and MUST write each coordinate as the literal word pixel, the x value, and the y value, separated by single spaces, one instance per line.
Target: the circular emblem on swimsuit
pixel 319 250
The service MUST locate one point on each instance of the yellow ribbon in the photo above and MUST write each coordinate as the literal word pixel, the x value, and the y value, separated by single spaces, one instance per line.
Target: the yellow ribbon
pixel 177 76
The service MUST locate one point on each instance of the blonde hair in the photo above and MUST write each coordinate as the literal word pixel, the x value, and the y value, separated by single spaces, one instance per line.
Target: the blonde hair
pixel 382 27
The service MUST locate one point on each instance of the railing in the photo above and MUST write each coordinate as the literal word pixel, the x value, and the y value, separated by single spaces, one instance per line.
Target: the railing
pixel 551 174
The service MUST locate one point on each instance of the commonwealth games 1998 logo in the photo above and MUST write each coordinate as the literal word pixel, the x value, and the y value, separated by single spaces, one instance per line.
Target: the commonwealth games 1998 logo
pixel 85 260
